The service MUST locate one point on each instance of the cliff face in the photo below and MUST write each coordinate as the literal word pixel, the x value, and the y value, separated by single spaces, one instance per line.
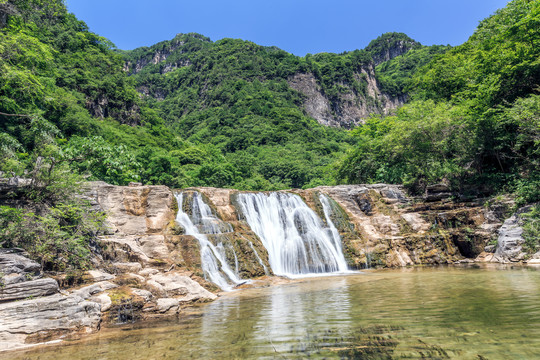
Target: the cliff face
pixel 160 55
pixel 380 226
pixel 350 108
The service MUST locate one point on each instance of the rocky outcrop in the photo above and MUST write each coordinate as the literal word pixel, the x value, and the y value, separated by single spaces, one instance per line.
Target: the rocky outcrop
pixel 143 253
pixel 41 312
pixel 381 226
pixel 392 49
pixel 509 245
pixel 350 108
pixel 28 289
pixel 29 322
pixel 20 277
pixel 159 53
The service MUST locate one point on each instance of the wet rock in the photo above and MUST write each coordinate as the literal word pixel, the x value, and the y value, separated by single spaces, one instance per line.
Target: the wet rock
pixel 364 203
pixel 167 304
pixel 437 192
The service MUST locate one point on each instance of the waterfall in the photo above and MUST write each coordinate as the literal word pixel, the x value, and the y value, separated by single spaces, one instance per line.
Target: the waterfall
pixel 202 223
pixel 297 241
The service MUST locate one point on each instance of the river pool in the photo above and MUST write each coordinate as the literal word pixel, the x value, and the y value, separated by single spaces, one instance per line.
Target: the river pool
pixel 415 313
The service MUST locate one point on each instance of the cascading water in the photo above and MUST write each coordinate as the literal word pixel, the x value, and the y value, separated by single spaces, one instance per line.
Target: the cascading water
pixel 202 223
pixel 297 241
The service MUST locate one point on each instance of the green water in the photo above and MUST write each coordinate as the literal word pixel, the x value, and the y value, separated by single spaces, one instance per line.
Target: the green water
pixel 419 313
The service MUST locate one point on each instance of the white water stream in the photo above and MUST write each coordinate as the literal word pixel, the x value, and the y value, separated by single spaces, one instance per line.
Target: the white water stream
pixel 202 223
pixel 298 242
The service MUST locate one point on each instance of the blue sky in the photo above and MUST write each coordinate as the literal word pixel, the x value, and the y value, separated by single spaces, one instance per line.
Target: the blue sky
pixel 297 26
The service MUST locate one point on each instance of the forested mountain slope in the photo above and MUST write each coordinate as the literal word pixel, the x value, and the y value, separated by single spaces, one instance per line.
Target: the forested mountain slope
pixel 185 112
pixel 474 118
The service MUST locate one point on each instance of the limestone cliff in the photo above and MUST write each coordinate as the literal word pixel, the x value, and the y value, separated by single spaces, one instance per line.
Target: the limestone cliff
pixel 350 108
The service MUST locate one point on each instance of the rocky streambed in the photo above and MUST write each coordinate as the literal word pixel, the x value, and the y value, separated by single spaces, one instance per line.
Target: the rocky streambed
pixel 147 267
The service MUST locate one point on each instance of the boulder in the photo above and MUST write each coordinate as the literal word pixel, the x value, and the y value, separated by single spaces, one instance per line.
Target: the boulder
pixel 182 287
pixel 166 304
pixel 510 238
pixel 104 300
pixel 97 275
pixel 132 267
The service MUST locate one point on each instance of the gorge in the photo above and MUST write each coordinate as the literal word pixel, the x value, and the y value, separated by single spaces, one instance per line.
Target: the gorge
pixel 202 198
pixel 163 250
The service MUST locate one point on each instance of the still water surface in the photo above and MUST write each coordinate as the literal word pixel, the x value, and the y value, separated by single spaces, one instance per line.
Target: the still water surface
pixel 417 313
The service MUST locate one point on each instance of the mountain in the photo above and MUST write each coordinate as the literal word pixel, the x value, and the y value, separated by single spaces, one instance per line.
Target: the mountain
pixel 336 90
pixel 184 112
pixel 193 112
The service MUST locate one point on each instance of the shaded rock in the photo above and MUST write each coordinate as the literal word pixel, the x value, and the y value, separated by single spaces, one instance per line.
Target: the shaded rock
pixel 364 203
pixel 27 289
pixel 14 261
pixel 12 279
pixel 437 192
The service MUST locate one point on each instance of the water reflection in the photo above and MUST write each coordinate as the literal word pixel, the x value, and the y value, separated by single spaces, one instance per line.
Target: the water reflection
pixel 440 313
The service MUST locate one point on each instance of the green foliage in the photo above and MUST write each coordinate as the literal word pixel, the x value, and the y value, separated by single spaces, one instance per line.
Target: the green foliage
pixel 234 96
pixel 101 160
pixel 499 63
pixel 425 142
pixel 58 238
pixel 475 116
pixel 55 225
pixel 395 76
pixel 381 46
